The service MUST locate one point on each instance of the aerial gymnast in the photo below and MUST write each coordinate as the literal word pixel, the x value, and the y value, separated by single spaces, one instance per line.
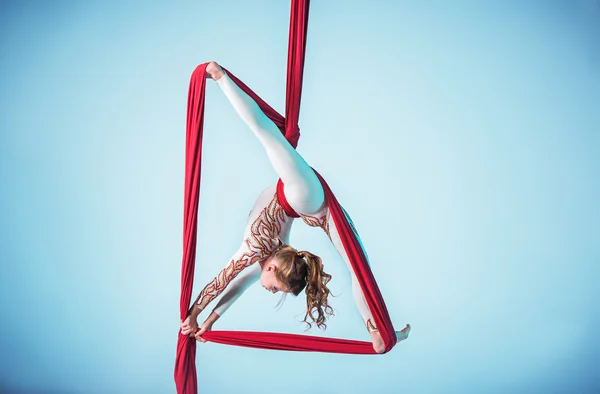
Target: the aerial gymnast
pixel 265 254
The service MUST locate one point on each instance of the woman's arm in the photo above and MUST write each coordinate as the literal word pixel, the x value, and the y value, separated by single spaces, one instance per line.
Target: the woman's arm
pixel 230 295
pixel 241 260
pixel 237 287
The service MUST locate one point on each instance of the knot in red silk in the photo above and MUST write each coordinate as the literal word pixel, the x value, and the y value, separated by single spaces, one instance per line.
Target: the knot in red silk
pixel 292 134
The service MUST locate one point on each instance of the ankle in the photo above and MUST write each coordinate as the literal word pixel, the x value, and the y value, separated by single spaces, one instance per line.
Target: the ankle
pixel 217 75
pixel 378 343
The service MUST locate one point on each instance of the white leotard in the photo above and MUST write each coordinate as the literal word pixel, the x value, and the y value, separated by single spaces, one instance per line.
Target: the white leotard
pixel 268 222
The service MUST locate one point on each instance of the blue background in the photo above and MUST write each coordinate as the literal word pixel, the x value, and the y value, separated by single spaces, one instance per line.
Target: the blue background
pixel 462 137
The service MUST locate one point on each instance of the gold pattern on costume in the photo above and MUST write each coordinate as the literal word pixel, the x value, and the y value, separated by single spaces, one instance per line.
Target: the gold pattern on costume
pixel 314 221
pixel 371 327
pixel 266 228
pixel 261 243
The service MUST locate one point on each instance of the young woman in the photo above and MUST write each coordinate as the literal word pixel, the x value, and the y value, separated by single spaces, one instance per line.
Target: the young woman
pixel 265 254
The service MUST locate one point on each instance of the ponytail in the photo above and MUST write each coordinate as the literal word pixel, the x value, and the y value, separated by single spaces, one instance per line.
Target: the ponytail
pixel 316 292
pixel 304 270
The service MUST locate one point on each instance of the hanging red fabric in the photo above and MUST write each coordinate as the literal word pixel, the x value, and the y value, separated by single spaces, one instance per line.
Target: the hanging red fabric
pixel 185 367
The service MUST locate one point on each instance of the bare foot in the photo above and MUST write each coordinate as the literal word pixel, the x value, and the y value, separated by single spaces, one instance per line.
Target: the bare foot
pixel 403 334
pixel 379 345
pixel 214 71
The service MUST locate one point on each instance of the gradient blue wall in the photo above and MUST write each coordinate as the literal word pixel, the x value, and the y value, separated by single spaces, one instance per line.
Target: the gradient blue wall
pixel 462 137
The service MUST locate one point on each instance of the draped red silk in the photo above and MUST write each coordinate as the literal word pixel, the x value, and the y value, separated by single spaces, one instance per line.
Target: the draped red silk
pixel 185 368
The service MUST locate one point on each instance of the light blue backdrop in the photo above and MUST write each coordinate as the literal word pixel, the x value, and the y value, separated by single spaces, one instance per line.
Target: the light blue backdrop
pixel 463 138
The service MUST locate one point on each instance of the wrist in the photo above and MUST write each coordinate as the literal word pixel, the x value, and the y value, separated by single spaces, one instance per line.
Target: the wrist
pixel 212 318
pixel 195 312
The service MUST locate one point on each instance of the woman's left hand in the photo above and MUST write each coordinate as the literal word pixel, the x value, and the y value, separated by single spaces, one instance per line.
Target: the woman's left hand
pixel 206 326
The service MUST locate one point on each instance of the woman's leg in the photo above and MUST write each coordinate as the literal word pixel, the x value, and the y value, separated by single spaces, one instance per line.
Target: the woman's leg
pixel 302 187
pixel 359 298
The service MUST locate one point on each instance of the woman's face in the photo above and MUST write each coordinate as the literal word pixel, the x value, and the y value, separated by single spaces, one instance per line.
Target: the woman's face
pixel 268 280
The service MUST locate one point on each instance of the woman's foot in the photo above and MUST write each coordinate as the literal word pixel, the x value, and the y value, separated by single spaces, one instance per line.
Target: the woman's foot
pixel 402 334
pixel 379 345
pixel 214 71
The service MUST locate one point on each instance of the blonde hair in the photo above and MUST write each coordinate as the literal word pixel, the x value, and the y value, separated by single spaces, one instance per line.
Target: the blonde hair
pixel 297 270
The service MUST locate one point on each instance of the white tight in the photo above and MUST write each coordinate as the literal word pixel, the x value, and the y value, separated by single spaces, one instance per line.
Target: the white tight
pixel 359 298
pixel 302 187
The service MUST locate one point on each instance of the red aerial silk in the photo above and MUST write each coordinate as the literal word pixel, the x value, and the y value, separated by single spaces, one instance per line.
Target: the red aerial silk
pixel 185 368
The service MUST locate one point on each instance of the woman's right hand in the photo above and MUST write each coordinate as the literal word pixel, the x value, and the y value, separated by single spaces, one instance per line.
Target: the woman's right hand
pixel 206 326
pixel 189 326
